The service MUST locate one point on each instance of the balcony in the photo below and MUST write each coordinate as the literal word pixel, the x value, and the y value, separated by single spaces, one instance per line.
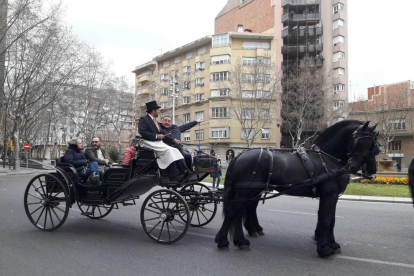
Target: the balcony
pixel 300 18
pixel 299 49
pixel 303 32
pixel 300 2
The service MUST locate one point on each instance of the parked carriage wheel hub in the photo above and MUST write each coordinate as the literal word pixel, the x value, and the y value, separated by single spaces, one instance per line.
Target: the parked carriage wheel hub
pixel 45 202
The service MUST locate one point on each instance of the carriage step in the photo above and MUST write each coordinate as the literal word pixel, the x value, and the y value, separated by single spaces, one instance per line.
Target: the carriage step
pixel 87 214
pixel 127 204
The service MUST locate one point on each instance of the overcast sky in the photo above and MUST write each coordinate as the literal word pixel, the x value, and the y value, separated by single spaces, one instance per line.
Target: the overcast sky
pixel 132 32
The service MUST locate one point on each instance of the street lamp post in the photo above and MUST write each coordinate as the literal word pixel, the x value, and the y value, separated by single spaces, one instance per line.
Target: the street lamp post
pixel 173 89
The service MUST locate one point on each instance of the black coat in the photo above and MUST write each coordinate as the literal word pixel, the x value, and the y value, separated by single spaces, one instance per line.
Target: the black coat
pixel 148 130
pixel 92 155
pixel 177 130
pixel 75 157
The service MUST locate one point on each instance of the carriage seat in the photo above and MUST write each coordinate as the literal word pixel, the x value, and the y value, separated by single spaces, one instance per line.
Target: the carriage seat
pixel 68 168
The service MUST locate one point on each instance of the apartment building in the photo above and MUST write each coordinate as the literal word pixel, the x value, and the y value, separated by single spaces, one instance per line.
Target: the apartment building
pixel 314 28
pixel 202 72
pixel 392 107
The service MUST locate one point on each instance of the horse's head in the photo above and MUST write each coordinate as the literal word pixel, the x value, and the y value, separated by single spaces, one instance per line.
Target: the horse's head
pixel 370 161
pixel 362 148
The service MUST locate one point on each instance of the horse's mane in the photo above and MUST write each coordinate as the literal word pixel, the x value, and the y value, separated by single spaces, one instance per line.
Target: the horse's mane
pixel 327 133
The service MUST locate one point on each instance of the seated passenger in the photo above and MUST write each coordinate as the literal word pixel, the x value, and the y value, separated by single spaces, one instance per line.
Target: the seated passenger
pixel 129 153
pixel 75 156
pixel 95 153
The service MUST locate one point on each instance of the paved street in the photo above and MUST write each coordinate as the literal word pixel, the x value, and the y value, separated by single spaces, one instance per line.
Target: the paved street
pixel 376 238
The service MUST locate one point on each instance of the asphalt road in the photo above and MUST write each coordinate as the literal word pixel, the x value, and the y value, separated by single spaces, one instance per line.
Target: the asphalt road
pixel 376 238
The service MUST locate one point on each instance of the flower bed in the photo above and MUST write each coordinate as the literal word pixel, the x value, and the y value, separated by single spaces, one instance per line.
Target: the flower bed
pixel 386 180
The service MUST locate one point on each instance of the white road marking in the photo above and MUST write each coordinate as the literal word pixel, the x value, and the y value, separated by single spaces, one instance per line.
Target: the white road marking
pixel 376 202
pixel 374 261
pixel 298 213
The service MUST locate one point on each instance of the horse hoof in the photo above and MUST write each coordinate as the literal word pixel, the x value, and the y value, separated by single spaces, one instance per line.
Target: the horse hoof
pixel 260 233
pixel 325 252
pixel 244 247
pixel 226 248
pixel 254 234
pixel 338 251
pixel 336 247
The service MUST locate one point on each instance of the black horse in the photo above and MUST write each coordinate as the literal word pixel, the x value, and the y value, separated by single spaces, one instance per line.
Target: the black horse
pixel 322 172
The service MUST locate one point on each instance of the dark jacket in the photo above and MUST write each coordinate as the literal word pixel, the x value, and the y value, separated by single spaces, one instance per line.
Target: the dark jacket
pixel 217 170
pixel 75 157
pixel 148 130
pixel 92 155
pixel 177 130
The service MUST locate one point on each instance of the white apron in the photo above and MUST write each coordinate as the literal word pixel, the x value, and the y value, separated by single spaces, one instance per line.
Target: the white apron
pixel 166 154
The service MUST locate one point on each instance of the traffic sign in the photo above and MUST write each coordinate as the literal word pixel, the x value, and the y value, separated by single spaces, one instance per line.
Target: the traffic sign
pixel 26 146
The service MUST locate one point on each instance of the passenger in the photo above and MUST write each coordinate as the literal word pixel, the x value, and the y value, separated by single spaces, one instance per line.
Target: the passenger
pixel 175 132
pixel 129 153
pixel 75 156
pixel 95 153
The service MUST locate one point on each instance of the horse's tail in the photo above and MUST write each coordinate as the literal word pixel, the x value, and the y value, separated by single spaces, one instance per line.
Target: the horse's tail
pixel 229 191
pixel 411 178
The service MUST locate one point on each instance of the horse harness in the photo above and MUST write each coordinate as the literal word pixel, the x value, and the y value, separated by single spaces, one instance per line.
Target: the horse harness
pixel 309 166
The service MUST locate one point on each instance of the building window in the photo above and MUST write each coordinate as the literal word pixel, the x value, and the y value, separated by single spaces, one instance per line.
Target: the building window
pixel 252 78
pixel 199 82
pixel 189 55
pixel 394 146
pixel 219 112
pixel 249 61
pixel 338 7
pixel 166 64
pixel 338 72
pixel 147 73
pixel 248 133
pixel 164 91
pixel 199 97
pixel 221 40
pixel 248 113
pixel 338 23
pixel 199 135
pixel 202 51
pixel 220 76
pixel 220 92
pixel 398 124
pixel 186 100
pixel 200 66
pixel 338 88
pixel 338 104
pixel 187 70
pixel 177 60
pixel 164 77
pixel 223 59
pixel 219 132
pixel 187 136
pixel 187 85
pixel 255 45
pixel 265 114
pixel 164 105
pixel 338 55
pixel 199 115
pixel 186 118
pixel 174 73
pixel 263 61
pixel 265 133
pixel 338 39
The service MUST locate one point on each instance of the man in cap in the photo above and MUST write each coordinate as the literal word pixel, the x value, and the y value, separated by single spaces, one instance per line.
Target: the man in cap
pixel 169 158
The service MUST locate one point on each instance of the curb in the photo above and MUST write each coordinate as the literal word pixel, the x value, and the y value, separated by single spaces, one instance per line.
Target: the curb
pixel 22 172
pixel 404 200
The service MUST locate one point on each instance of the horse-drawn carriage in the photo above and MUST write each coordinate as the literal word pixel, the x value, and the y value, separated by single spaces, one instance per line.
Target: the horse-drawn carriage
pixel 166 213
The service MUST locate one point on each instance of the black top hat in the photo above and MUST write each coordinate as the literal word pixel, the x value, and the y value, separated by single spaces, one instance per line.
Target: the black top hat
pixel 152 105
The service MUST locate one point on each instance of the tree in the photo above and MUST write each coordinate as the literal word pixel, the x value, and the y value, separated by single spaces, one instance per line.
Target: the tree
pixel 253 90
pixel 307 102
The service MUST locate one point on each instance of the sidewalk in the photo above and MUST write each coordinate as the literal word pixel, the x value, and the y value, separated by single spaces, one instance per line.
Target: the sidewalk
pixel 6 171
pixel 405 200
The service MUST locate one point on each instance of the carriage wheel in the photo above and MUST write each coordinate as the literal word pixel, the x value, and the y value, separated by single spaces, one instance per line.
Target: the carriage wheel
pixel 46 202
pixel 160 215
pixel 95 211
pixel 202 210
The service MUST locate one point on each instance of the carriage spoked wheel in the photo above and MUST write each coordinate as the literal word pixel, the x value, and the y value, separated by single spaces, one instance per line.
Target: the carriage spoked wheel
pixel 95 211
pixel 160 216
pixel 202 209
pixel 46 202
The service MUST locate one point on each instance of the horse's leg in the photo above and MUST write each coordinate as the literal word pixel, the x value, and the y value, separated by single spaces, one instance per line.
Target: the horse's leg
pixel 326 213
pixel 221 237
pixel 317 230
pixel 259 229
pixel 238 236
pixel 249 220
pixel 331 237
